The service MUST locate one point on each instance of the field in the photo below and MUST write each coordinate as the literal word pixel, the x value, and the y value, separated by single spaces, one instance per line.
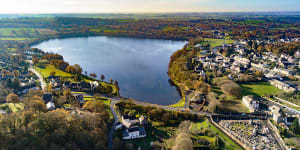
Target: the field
pixel 16 39
pixel 17 32
pixel 47 69
pixel 259 89
pixel 106 101
pixel 10 107
pixel 230 103
pixel 229 144
pixel 218 42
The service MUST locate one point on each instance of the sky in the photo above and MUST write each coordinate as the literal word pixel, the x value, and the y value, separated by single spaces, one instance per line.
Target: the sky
pixel 145 6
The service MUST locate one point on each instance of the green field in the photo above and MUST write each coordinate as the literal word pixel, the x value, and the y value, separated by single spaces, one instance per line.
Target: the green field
pixel 10 107
pixel 218 42
pixel 229 144
pixel 16 39
pixel 258 89
pixel 12 32
pixel 47 69
pixel 106 101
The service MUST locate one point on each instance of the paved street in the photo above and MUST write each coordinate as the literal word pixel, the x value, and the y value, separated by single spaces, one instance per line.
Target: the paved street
pixel 43 83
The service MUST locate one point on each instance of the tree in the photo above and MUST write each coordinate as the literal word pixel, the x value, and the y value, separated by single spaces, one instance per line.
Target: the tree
pixel 197 84
pixel 71 69
pixel 15 73
pixel 68 95
pixel 259 73
pixel 4 73
pixel 117 85
pixel 232 89
pixel 12 98
pixel 94 106
pixel 35 60
pixel 37 105
pixel 111 80
pixel 52 73
pixel 93 75
pixel 295 126
pixel 102 77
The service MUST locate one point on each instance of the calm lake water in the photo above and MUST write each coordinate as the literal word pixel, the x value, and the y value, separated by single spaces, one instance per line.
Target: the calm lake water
pixel 139 65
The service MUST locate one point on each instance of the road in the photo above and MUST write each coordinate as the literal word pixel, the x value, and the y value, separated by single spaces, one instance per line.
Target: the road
pixel 291 110
pixel 112 129
pixel 43 83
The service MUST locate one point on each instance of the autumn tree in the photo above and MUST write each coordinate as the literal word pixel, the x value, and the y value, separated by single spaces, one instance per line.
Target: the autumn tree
pixel 93 75
pixel 94 106
pixel 35 60
pixel 102 77
pixel 12 98
pixel 52 73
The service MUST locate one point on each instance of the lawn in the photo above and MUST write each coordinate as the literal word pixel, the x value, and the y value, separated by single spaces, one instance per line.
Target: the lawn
pixel 179 104
pixel 16 39
pixel 47 69
pixel 230 103
pixel 10 107
pixel 229 144
pixel 16 32
pixel 258 89
pixel 218 42
pixel 106 101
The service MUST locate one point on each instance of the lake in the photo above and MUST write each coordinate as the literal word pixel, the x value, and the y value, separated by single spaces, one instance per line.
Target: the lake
pixel 139 65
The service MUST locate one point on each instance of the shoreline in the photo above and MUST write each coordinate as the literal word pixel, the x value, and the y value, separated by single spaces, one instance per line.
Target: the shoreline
pixel 178 88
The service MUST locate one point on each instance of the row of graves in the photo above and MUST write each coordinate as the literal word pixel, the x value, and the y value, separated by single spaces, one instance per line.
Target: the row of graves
pixel 254 134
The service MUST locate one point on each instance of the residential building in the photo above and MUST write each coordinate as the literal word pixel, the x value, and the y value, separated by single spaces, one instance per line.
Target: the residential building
pixel 251 102
pixel 129 121
pixel 134 132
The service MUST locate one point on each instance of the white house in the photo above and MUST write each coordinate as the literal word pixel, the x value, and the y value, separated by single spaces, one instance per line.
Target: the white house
pixel 251 103
pixel 283 86
pixel 50 106
pixel 129 121
pixel 276 115
pixel 134 132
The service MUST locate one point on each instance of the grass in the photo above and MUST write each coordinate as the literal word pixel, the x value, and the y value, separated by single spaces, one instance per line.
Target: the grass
pixel 218 42
pixel 16 32
pixel 106 101
pixel 47 69
pixel 233 106
pixel 96 30
pixel 10 107
pixel 230 103
pixel 258 89
pixel 180 103
pixel 229 144
pixel 16 39
pixel 153 134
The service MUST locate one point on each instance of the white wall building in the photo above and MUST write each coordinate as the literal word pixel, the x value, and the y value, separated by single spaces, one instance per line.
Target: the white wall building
pixel 251 103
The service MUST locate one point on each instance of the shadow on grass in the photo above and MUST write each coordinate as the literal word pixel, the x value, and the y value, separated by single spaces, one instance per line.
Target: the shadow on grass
pixel 247 91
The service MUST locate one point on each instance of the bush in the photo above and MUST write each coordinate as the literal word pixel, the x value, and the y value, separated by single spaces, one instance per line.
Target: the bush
pixel 232 89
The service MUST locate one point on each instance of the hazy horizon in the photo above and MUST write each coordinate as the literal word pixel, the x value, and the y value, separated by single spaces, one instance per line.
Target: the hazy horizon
pixel 144 6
